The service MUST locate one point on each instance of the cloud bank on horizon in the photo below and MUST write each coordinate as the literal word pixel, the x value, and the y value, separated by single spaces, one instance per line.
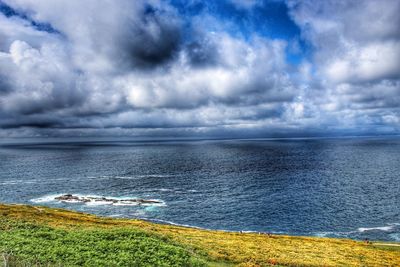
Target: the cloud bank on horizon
pixel 231 68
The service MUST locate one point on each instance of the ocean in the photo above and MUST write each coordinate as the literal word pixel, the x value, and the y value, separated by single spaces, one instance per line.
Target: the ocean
pixel 344 187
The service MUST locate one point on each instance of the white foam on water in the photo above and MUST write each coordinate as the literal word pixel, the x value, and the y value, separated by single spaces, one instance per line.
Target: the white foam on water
pixel 125 204
pixel 115 215
pixel 154 176
pixel 208 229
pixel 395 236
pixel 45 199
pixel 333 233
pixel 70 201
pixel 164 190
pixel 140 213
pixel 323 234
pixel 9 182
pixel 379 228
pixel 150 208
pixel 13 182
pixel 389 227
pixel 93 203
pixel 176 224
pixel 122 201
pixel 130 177
pixel 161 204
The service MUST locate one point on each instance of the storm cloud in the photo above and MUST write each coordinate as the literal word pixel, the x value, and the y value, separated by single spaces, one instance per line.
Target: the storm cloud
pixel 156 68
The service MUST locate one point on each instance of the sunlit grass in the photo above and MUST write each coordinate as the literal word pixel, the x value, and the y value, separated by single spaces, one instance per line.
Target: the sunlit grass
pixel 191 246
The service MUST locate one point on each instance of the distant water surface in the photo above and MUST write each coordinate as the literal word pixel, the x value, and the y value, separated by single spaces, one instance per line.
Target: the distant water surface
pixel 320 187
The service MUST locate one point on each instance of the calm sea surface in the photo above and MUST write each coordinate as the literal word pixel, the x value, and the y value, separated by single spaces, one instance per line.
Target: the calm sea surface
pixel 322 187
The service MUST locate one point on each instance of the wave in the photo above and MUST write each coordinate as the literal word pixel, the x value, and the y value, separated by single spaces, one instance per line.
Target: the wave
pixel 14 182
pixel 395 236
pixel 128 177
pixel 209 229
pixel 95 200
pixel 45 199
pixel 155 176
pixel 172 223
pixel 387 228
pixel 119 215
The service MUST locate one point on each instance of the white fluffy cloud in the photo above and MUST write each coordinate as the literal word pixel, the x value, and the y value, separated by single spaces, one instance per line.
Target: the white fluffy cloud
pixel 356 61
pixel 355 41
pixel 139 66
pixel 126 65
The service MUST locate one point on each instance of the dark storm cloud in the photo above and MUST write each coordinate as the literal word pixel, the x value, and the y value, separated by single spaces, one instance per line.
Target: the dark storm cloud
pixel 155 40
pixel 5 85
pixel 36 124
pixel 37 121
pixel 202 53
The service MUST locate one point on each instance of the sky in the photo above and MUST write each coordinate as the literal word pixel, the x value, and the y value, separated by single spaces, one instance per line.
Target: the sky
pixel 199 69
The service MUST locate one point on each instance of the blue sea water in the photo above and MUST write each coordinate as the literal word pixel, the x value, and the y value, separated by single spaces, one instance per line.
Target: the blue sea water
pixel 346 188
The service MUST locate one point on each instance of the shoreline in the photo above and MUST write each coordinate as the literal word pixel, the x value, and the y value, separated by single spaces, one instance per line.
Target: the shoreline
pixel 213 247
pixel 318 234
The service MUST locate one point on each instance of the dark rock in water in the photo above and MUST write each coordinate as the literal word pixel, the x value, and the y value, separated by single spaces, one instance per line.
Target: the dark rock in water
pixel 69 197
pixel 133 201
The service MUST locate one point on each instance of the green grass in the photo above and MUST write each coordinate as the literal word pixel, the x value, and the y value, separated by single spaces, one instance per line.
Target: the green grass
pixel 41 245
pixel 40 236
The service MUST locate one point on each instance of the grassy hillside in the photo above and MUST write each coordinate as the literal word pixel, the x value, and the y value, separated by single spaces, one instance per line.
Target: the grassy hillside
pixel 53 237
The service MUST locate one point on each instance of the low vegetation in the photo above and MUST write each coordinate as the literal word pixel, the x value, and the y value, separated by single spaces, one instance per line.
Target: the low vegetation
pixel 40 236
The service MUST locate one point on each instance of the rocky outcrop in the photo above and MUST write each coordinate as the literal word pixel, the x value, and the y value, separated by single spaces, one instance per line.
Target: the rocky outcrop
pixel 104 200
